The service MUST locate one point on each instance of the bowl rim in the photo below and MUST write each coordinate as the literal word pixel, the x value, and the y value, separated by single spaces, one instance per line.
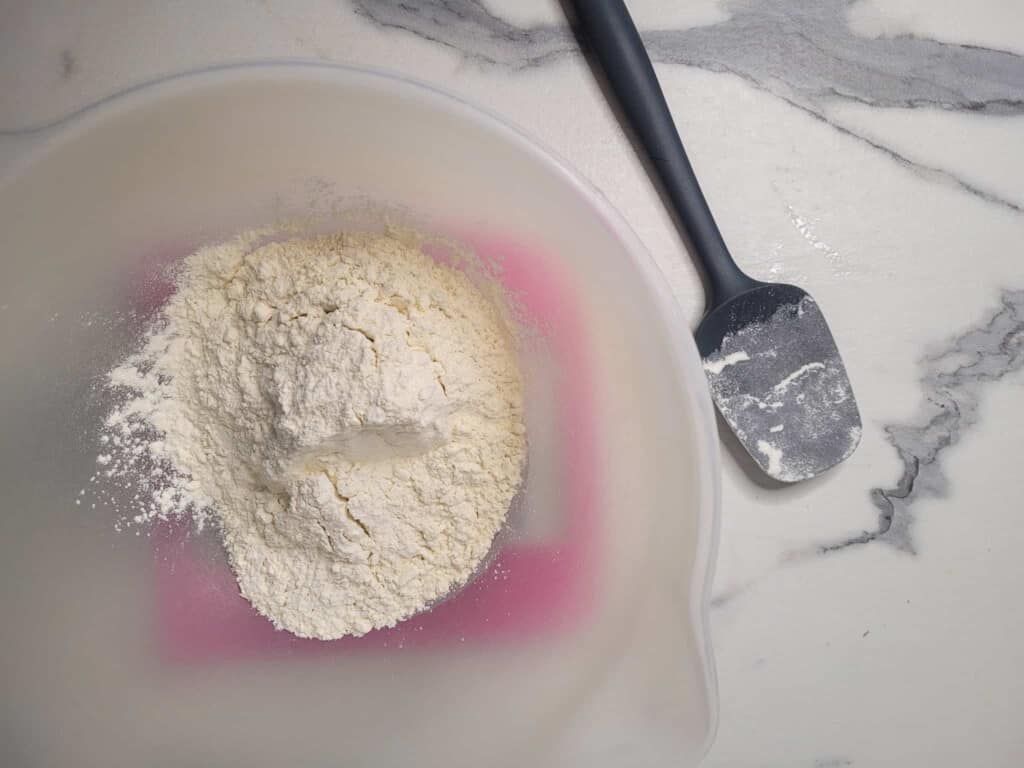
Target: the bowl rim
pixel 685 366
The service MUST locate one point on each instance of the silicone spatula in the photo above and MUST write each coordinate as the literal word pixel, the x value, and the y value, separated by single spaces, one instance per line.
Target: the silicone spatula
pixel 772 364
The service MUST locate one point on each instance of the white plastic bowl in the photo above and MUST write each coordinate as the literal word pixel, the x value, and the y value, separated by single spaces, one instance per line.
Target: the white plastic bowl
pixel 584 645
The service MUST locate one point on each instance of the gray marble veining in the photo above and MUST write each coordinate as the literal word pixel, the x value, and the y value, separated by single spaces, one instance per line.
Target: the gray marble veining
pixel 473 30
pixel 802 51
pixel 832 762
pixel 68 64
pixel 953 381
pixel 929 172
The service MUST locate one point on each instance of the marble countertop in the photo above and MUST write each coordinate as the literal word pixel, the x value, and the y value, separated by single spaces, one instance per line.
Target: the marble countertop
pixel 868 150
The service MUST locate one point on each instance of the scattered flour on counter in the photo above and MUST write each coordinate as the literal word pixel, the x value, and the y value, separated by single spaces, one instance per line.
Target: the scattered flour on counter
pixel 346 410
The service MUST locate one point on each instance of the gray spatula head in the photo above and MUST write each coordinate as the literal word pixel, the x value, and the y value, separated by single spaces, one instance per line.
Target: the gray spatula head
pixel 778 381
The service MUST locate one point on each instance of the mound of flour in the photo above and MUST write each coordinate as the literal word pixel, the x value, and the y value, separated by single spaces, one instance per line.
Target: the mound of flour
pixel 349 411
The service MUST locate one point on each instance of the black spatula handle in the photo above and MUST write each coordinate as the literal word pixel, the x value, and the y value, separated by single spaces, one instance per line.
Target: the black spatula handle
pixel 610 31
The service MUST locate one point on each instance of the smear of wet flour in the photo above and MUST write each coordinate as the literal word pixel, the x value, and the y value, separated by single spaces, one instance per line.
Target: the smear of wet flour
pixel 782 388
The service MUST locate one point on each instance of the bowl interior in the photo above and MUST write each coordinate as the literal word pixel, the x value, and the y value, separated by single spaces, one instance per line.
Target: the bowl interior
pixel 585 635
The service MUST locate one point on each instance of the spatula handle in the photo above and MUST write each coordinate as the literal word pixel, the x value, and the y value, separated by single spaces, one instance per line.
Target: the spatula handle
pixel 610 31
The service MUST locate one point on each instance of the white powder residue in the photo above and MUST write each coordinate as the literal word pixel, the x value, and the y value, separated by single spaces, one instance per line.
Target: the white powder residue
pixel 717 366
pixel 350 413
pixel 773 454
pixel 783 385
pixel 790 403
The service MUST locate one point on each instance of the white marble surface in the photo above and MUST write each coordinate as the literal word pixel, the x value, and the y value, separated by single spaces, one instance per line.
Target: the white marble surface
pixel 871 151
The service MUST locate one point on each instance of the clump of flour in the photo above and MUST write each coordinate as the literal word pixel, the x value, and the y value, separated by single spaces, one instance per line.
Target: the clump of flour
pixel 348 411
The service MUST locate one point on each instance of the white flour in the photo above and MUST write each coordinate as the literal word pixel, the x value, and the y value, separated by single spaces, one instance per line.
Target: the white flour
pixel 350 411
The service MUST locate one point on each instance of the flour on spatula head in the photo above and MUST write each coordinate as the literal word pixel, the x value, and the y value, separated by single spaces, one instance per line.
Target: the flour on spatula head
pixel 348 410
pixel 782 388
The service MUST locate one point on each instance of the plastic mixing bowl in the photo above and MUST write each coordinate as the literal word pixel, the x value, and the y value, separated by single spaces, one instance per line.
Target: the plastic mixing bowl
pixel 584 642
